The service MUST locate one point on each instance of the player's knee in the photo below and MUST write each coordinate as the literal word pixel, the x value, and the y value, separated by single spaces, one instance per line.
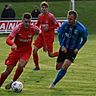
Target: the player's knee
pixel 22 64
pixel 58 66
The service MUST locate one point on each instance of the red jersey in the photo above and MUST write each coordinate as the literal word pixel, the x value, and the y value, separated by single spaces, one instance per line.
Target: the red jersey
pixel 47 19
pixel 23 36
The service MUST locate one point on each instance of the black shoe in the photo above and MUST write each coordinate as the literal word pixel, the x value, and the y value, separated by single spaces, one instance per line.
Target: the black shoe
pixel 8 86
pixel 36 69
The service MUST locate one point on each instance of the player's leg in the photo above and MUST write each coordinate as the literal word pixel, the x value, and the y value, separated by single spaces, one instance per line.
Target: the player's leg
pixel 36 58
pixel 18 72
pixel 22 63
pixel 5 74
pixel 60 60
pixel 10 62
pixel 61 72
pixel 23 58
pixel 68 59
pixel 51 53
pixel 19 69
pixel 38 43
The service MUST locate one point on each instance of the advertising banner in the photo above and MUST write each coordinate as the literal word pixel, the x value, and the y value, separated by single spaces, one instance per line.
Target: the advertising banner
pixel 6 26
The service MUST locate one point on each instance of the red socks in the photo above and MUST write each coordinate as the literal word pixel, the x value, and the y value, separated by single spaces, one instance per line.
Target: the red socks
pixel 56 54
pixel 35 58
pixel 2 78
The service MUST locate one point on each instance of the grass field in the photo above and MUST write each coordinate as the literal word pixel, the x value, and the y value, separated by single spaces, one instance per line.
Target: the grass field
pixel 79 81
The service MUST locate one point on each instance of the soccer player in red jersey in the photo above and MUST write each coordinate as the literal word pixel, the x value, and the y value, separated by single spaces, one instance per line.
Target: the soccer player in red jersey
pixel 20 40
pixel 47 22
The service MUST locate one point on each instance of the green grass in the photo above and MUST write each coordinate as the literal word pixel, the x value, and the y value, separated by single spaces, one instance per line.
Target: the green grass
pixel 80 79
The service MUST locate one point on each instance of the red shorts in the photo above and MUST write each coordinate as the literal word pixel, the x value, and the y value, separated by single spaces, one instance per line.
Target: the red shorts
pixel 15 56
pixel 39 43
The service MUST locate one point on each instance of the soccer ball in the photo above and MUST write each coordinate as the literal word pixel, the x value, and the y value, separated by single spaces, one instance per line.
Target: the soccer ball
pixel 17 86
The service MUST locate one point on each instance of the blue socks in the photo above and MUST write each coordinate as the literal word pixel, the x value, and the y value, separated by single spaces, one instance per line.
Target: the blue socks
pixel 59 76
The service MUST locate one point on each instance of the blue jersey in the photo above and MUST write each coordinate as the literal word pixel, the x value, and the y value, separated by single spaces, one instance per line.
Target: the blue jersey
pixel 72 37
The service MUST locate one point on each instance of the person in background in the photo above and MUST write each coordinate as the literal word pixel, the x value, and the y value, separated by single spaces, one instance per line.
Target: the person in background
pixel 8 13
pixel 11 12
pixel 20 40
pixel 72 37
pixel 4 13
pixel 35 12
pixel 47 22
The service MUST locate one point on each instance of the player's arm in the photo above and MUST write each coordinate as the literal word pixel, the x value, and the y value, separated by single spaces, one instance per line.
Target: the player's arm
pixel 38 22
pixel 37 30
pixel 83 39
pixel 10 42
pixel 10 37
pixel 54 22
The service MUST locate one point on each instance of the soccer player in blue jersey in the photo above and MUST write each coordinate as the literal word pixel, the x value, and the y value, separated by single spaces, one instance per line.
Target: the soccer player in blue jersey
pixel 72 36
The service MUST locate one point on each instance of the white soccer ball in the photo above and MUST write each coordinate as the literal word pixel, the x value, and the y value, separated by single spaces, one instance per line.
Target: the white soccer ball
pixel 17 86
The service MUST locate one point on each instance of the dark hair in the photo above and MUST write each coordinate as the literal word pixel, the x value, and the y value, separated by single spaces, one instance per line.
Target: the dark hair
pixel 27 15
pixel 73 12
pixel 6 5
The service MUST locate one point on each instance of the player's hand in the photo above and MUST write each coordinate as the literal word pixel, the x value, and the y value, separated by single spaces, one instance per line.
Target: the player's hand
pixel 45 27
pixel 14 47
pixel 63 49
pixel 76 51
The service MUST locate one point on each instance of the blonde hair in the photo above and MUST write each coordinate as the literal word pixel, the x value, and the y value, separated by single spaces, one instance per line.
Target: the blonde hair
pixel 44 3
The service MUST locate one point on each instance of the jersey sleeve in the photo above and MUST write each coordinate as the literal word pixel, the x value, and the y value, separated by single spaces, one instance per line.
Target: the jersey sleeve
pixel 84 35
pixel 15 31
pixel 54 22
pixel 9 40
pixel 11 36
